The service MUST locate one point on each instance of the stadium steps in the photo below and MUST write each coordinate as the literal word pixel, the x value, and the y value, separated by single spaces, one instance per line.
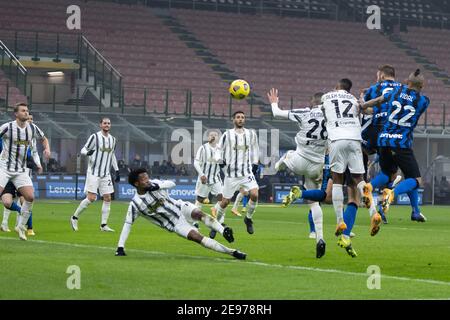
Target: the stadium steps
pixel 218 67
pixel 415 53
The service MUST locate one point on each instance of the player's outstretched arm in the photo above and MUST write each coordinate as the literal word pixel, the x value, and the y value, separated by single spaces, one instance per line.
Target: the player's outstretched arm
pixel 272 95
pixel 372 103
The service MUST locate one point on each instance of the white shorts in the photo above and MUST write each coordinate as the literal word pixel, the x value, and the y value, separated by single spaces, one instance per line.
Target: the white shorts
pixel 203 190
pixel 231 185
pixel 103 185
pixel 19 179
pixel 185 222
pixel 313 171
pixel 346 154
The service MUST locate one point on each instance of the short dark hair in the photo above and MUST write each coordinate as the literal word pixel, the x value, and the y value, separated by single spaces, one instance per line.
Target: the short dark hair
pixel 346 84
pixel 103 118
pixel 20 104
pixel 236 113
pixel 387 70
pixel 317 97
pixel 133 176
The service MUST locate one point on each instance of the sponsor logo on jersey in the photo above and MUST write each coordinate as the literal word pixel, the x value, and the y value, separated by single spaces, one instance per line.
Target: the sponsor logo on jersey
pixel 391 136
pixel 105 149
pixel 22 142
pixel 406 97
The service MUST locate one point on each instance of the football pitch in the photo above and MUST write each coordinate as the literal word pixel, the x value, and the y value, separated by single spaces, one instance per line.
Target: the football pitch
pixel 414 259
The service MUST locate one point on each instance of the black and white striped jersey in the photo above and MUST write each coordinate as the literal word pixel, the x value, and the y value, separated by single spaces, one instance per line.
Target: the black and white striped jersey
pixel 206 164
pixel 157 207
pixel 239 150
pixel 16 141
pixel 103 158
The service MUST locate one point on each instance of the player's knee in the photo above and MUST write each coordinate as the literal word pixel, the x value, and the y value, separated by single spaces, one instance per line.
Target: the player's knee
pixel 254 195
pixel 194 236
pixel 219 197
pixel 419 182
pixel 92 197
pixel 7 203
pixel 107 198
pixel 225 202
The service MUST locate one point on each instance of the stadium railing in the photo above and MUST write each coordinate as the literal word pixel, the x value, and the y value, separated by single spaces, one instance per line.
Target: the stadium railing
pixel 13 69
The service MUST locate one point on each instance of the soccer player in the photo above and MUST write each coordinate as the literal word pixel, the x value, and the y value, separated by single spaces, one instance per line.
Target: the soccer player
pixel 10 191
pixel 308 159
pixel 344 132
pixel 405 105
pixel 208 170
pixel 153 202
pixel 238 153
pixel 371 129
pixel 100 149
pixel 17 138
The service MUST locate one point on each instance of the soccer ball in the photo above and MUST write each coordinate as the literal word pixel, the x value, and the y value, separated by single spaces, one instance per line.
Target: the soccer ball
pixel 239 89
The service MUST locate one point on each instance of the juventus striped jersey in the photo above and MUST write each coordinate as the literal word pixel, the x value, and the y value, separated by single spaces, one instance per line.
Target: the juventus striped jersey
pixel 311 139
pixel 206 165
pixel 157 207
pixel 16 142
pixel 103 157
pixel 239 150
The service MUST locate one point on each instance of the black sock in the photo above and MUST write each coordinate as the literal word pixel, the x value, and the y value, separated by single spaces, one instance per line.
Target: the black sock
pixel 103 224
pixel 73 217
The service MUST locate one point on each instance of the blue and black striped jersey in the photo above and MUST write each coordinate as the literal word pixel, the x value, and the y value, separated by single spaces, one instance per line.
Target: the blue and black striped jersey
pixel 404 108
pixel 380 111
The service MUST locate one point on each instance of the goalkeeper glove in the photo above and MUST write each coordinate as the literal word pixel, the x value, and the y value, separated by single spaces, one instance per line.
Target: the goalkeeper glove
pixel 90 152
pixel 117 177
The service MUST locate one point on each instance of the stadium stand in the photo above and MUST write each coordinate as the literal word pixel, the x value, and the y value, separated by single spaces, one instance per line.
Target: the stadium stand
pixel 14 94
pixel 167 52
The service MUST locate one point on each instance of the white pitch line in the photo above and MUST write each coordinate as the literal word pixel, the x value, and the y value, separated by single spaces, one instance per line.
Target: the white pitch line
pixel 257 263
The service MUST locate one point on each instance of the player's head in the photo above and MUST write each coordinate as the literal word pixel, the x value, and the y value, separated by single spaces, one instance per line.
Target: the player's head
pixel 385 72
pixel 416 80
pixel 344 84
pixel 30 118
pixel 21 111
pixel 213 136
pixel 239 119
pixel 316 99
pixel 139 178
pixel 105 124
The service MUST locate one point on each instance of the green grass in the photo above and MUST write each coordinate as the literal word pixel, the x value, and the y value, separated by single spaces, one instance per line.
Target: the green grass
pixel 414 258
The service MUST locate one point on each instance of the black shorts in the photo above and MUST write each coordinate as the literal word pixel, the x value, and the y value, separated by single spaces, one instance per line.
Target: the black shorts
pixel 393 158
pixel 11 189
pixel 370 140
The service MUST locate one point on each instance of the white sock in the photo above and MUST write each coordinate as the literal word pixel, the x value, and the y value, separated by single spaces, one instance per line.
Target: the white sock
pixel 83 205
pixel 6 213
pixel 198 204
pixel 317 216
pixel 25 212
pixel 360 187
pixel 214 245
pixel 251 207
pixel 124 234
pixel 338 202
pixel 212 223
pixel 106 207
pixel 220 213
pixel 238 200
